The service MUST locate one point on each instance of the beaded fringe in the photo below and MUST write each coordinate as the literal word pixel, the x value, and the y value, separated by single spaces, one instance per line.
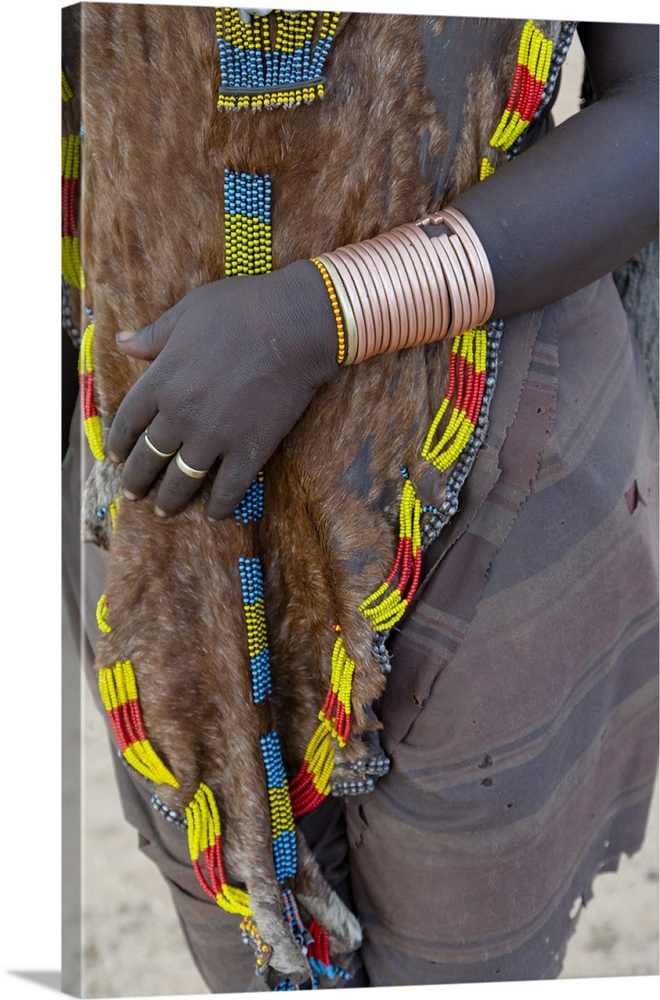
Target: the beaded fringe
pixel 263 70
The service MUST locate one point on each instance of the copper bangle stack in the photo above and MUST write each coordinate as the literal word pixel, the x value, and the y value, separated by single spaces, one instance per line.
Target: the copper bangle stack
pixel 405 287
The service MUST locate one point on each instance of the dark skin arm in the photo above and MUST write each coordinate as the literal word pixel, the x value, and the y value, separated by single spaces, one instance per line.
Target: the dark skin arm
pixel 585 198
pixel 237 361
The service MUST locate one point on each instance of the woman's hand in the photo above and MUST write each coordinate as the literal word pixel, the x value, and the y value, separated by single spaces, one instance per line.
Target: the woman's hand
pixel 236 364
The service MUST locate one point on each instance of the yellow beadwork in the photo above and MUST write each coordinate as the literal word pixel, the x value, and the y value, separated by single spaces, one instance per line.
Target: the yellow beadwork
pixel 203 817
pixel 248 245
pixel 71 157
pixel 280 810
pixel 101 614
pixel 118 689
pixel 341 683
pixel 92 421
pixel 486 169
pixel 534 54
pixel 382 609
pixel 471 347
pixel 320 759
pixel 72 271
pixel 255 621
pixel 67 93
pixel 293 34
pixel 204 831
pixel 113 508
pixel 262 949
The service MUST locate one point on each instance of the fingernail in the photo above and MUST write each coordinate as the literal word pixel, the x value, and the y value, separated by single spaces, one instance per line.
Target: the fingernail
pixel 161 513
pixel 124 335
pixel 129 495
pixel 114 458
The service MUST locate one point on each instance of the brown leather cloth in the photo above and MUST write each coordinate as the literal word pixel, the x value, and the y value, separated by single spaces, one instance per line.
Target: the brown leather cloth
pixel 521 712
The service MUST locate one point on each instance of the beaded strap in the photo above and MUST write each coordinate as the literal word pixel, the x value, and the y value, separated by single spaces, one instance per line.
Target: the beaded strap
pixel 312 784
pixel 336 710
pixel 72 271
pixel 250 934
pixel 251 506
pixel 249 251
pixel 248 233
pixel 255 622
pixel 458 427
pixel 389 602
pixel 282 827
pixel 119 692
pixel 91 418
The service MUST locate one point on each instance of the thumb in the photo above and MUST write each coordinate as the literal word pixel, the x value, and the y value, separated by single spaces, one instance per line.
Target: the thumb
pixel 149 341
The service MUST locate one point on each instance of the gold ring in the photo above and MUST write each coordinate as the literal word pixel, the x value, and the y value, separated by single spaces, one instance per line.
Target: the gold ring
pixel 152 447
pixel 187 470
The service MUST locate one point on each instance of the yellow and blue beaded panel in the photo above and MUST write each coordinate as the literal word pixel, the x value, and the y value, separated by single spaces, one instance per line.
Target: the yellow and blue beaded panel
pixel 265 68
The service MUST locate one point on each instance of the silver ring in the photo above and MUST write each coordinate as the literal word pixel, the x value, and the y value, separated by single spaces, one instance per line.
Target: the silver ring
pixel 152 447
pixel 187 470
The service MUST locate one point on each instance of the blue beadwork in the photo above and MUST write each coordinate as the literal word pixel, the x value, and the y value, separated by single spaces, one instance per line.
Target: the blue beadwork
pixel 266 65
pixel 248 246
pixel 330 971
pixel 285 852
pixel 251 506
pixel 293 918
pixel 252 586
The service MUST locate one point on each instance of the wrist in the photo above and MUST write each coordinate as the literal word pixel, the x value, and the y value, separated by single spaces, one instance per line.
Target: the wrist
pixel 309 297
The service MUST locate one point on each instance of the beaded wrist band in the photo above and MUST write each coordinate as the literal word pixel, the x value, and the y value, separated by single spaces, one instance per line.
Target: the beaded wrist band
pixel 343 312
pixel 405 287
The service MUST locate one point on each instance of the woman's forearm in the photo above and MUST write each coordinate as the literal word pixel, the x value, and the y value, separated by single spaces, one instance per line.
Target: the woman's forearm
pixel 585 197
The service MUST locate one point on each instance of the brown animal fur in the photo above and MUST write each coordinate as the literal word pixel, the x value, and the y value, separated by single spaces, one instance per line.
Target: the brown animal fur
pixel 359 162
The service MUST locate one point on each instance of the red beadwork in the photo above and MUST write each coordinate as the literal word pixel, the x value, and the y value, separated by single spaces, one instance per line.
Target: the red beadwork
pixel 202 881
pixel 118 729
pixel 86 384
pixel 397 561
pixel 329 703
pixel 136 722
pixel 514 87
pixel 303 793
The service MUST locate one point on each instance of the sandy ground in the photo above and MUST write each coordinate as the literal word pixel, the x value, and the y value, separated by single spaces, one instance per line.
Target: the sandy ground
pixel 130 941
